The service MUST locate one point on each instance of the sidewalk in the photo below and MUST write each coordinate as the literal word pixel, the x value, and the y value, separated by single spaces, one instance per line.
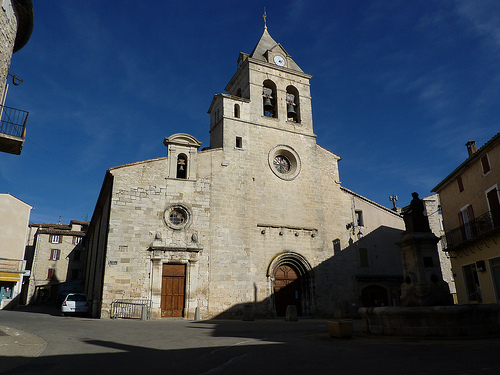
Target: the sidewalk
pixel 18 347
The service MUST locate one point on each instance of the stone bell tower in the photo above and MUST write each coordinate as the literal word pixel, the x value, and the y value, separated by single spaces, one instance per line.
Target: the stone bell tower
pixel 268 89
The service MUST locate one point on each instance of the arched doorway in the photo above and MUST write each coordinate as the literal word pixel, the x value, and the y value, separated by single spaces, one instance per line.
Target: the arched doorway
pixel 291 280
pixel 287 289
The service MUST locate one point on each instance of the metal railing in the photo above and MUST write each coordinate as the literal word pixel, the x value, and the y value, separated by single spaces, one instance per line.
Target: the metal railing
pixel 473 229
pixel 131 309
pixel 13 121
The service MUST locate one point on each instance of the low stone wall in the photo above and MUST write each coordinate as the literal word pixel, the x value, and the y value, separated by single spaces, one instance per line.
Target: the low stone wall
pixel 458 320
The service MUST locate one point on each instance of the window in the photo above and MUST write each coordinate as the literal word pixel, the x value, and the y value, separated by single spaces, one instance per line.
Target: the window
pixel 336 246
pixel 54 254
pixel 358 216
pixel 239 142
pixel 472 283
pixel 51 273
pixel 284 162
pixel 281 163
pixel 237 110
pixel 181 166
pixel 363 257
pixel 55 238
pixel 485 163
pixel 460 184
pixel 177 216
pixel 77 240
pixel 466 219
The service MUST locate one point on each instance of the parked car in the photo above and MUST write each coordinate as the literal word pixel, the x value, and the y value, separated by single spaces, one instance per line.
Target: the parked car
pixel 75 303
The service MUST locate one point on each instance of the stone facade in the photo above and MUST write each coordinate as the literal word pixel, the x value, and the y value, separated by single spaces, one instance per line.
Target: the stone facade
pixel 56 259
pixel 259 218
pixel 433 213
pixel 470 201
pixel 14 218
pixel 16 25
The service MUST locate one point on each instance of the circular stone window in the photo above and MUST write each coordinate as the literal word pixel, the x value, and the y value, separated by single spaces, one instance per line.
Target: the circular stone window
pixel 177 217
pixel 284 162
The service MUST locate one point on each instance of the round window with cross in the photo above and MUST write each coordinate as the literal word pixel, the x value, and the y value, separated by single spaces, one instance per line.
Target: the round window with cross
pixel 284 162
pixel 177 217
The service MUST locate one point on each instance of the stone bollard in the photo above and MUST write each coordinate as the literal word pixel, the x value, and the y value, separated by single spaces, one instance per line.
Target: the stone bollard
pixel 248 313
pixel 291 313
pixel 144 313
pixel 197 313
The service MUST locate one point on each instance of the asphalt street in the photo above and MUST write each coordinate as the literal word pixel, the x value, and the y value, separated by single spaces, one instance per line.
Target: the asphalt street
pixel 40 341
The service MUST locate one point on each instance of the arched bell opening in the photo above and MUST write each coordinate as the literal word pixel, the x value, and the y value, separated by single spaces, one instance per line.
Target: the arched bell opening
pixel 292 104
pixel 182 161
pixel 269 99
pixel 291 278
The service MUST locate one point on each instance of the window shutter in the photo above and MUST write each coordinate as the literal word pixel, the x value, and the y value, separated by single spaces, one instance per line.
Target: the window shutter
pixel 74 239
pixel 470 212
pixel 486 164
pixel 50 238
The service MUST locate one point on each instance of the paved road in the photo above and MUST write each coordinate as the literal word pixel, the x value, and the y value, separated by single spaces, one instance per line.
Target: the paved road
pixel 42 342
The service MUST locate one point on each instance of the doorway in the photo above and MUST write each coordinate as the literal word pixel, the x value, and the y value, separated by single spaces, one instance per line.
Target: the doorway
pixel 172 290
pixel 287 289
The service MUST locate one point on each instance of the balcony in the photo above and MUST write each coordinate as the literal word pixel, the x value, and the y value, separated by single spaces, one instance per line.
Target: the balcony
pixel 474 230
pixel 12 130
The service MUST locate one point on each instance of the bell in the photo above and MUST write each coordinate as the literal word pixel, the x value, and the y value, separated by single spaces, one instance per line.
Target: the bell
pixel 181 167
pixel 290 110
pixel 268 105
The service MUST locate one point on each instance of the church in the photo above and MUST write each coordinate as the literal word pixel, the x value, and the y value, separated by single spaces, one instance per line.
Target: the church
pixel 257 221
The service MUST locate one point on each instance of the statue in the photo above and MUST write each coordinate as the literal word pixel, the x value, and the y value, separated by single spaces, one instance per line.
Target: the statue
pixel 414 217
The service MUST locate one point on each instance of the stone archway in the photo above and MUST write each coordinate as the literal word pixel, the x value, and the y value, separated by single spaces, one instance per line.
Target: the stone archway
pixel 291 278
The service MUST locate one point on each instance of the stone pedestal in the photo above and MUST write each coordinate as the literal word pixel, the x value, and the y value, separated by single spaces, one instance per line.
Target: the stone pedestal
pixel 423 281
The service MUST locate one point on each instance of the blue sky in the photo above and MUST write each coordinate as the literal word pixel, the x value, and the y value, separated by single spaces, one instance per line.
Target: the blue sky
pixel 398 87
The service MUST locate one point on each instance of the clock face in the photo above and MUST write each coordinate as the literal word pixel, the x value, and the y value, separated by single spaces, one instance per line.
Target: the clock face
pixel 279 60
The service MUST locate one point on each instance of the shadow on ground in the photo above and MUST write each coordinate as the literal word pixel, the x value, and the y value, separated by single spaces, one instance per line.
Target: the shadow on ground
pixel 237 347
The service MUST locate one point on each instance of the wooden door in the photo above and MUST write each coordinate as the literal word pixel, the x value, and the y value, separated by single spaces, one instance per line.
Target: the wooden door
pixel 286 289
pixel 172 290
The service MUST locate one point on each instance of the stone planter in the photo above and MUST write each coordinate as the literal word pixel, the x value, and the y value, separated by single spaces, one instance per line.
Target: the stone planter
pixel 341 328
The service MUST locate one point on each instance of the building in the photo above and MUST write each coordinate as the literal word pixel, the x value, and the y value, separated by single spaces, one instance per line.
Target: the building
pixel 16 25
pixel 14 218
pixel 471 214
pixel 257 221
pixel 433 213
pixel 56 259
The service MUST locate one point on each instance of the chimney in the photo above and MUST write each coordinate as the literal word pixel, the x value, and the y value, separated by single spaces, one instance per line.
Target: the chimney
pixel 471 148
